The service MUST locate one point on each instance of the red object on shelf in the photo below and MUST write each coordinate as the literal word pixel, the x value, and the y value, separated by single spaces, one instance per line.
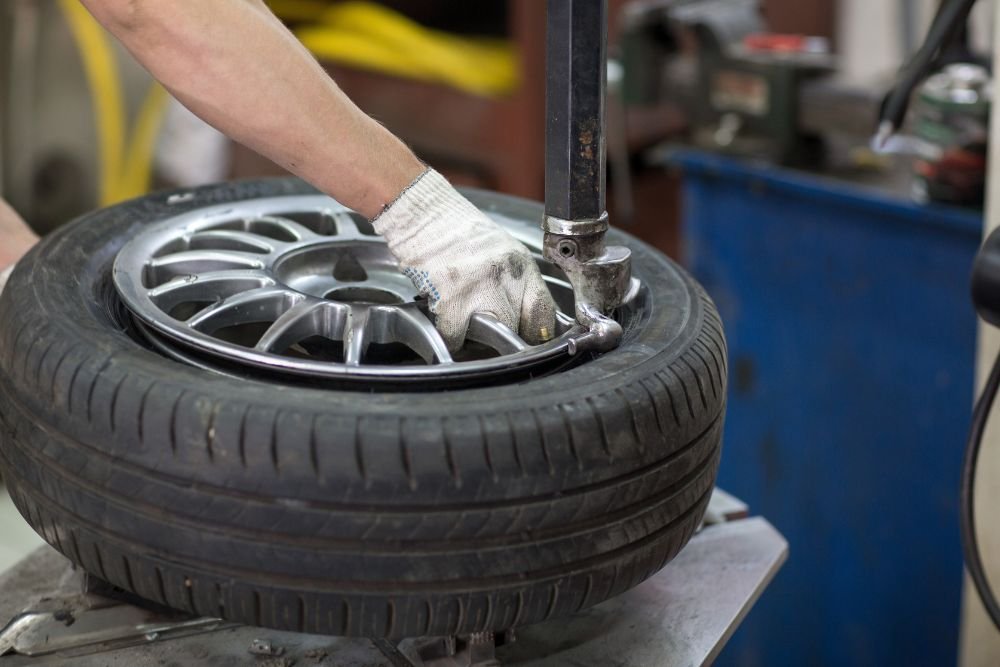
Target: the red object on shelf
pixel 784 43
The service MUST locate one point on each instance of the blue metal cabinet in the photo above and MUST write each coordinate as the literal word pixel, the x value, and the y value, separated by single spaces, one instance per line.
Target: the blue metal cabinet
pixel 851 339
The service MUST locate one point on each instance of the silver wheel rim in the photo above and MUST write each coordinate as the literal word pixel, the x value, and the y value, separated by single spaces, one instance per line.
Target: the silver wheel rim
pixel 301 285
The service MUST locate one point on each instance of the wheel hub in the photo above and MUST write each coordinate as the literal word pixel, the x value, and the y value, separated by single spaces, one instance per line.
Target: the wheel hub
pixel 303 286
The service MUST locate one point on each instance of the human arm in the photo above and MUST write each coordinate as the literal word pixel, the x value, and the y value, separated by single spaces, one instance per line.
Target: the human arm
pixel 235 65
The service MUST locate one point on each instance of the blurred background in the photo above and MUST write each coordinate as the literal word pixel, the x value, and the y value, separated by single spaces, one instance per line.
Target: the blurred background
pixel 739 143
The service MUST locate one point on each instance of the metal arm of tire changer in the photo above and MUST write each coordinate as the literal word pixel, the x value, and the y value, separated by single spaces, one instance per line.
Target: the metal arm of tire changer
pixel 576 218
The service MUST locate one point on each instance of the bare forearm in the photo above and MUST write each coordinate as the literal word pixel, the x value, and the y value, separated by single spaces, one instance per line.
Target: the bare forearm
pixel 236 66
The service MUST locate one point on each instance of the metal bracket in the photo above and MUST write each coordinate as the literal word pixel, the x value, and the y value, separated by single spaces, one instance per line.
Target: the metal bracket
pixel 94 630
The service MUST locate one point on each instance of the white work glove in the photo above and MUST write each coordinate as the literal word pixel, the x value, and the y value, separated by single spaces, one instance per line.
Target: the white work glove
pixel 464 263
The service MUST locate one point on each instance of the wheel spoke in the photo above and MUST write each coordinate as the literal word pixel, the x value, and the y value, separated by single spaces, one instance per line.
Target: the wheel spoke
pixel 192 262
pixel 289 226
pixel 265 304
pixel 355 336
pixel 207 287
pixel 317 284
pixel 229 239
pixel 302 320
pixel 488 330
pixel 409 326
pixel 351 227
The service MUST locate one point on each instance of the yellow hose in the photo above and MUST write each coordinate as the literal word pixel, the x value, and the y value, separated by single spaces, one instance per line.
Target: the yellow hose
pixel 99 67
pixel 125 171
pixel 367 35
pixel 137 174
pixel 299 10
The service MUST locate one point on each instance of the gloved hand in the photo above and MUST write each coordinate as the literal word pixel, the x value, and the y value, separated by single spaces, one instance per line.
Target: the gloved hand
pixel 465 263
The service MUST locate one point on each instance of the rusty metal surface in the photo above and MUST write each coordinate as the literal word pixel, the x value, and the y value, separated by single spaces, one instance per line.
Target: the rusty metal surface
pixel 575 108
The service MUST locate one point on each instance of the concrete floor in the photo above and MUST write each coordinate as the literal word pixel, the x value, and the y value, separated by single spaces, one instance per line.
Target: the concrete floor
pixel 17 538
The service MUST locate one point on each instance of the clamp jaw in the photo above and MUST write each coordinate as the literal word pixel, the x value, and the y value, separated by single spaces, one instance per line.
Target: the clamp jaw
pixel 600 275
pixel 576 219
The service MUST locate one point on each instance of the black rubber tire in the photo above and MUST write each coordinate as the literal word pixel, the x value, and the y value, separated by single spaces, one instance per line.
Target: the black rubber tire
pixel 350 513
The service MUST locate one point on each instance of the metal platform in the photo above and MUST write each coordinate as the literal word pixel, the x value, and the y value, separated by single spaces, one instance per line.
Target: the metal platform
pixel 682 616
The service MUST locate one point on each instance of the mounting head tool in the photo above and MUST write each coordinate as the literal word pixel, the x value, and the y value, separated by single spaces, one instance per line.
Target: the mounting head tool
pixel 575 179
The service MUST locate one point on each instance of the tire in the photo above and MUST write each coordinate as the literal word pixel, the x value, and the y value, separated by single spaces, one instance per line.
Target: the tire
pixel 342 512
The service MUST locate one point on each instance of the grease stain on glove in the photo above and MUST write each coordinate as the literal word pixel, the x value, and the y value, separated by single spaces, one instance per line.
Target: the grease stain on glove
pixel 464 263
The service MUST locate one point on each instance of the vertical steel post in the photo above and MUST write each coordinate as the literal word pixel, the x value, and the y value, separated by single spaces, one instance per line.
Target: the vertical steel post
pixel 575 101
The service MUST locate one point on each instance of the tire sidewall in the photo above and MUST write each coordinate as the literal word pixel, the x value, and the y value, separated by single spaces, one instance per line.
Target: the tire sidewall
pixel 87 247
